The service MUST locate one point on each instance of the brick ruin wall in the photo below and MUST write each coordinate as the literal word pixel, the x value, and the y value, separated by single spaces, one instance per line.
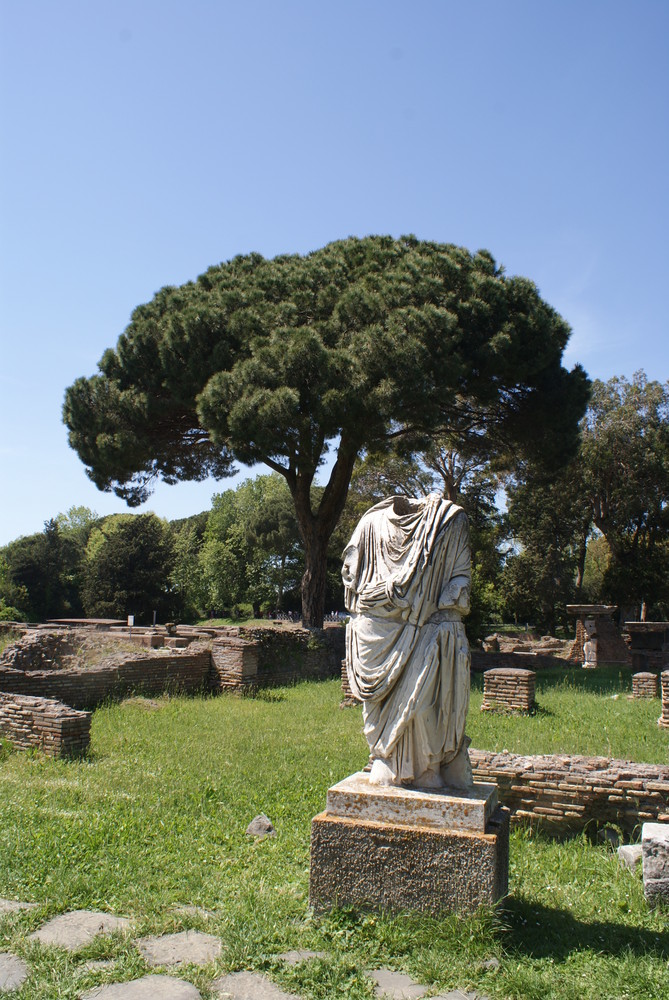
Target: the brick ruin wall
pixel 611 647
pixel 261 657
pixel 87 687
pixel 482 661
pixel 54 728
pixel 565 794
pixel 507 689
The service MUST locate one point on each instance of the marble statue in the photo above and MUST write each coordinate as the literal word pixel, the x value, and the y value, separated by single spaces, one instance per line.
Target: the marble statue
pixel 590 643
pixel 407 581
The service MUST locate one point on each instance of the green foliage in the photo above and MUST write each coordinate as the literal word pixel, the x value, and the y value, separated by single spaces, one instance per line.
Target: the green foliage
pixel 38 574
pixel 127 569
pixel 156 819
pixel 251 551
pixel 279 361
pixel 625 455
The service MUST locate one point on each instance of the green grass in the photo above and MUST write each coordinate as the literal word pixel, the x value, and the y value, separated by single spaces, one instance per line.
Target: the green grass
pixel 156 819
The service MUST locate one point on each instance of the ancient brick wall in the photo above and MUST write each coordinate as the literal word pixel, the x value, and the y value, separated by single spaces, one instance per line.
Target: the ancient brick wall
pixel 57 729
pixel 482 661
pixel 508 689
pixel 293 654
pixel 86 687
pixel 611 647
pixel 567 793
pixel 234 663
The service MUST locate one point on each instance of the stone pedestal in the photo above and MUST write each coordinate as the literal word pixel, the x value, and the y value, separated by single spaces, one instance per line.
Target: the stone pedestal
pixel 395 848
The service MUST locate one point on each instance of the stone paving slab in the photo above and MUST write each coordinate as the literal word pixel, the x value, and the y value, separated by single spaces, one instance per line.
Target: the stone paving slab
pixel 249 986
pixel 183 948
pixel 300 955
pixel 75 929
pixel 13 906
pixel 13 972
pixel 147 988
pixel 395 985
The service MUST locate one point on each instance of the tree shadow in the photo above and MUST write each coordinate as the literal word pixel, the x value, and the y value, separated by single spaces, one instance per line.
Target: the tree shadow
pixel 552 932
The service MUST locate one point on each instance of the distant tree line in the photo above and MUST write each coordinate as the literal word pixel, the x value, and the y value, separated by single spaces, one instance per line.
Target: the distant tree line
pixel 597 532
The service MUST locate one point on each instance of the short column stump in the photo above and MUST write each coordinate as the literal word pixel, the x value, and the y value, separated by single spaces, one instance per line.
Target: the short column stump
pixel 393 848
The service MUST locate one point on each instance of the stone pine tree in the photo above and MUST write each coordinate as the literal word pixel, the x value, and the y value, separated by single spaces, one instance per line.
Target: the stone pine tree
pixel 282 361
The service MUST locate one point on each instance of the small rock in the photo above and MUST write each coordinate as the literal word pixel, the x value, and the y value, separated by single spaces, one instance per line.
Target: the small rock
pixel 630 855
pixel 300 955
pixel 147 988
pixel 98 964
pixel 490 964
pixel 184 948
pixel 249 986
pixel 13 972
pixel 395 985
pixel 74 930
pixel 260 826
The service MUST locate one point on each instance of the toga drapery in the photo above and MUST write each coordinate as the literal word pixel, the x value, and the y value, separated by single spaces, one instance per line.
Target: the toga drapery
pixel 406 579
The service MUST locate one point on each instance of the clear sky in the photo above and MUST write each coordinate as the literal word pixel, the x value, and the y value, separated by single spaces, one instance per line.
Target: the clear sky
pixel 144 140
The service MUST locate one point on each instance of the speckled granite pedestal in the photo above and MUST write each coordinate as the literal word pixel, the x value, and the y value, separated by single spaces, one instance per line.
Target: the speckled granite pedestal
pixel 396 848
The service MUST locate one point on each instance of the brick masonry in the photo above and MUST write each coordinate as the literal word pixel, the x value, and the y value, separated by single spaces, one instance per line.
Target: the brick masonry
pixel 87 687
pixel 567 793
pixel 611 647
pixel 55 728
pixel 644 685
pixel 663 721
pixel 508 689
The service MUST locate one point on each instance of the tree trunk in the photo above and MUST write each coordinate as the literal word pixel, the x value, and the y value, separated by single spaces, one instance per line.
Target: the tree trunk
pixel 314 582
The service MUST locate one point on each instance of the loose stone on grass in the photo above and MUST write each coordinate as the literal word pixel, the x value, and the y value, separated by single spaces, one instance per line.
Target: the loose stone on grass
pixel 260 826
pixel 13 972
pixel 13 906
pixel 395 985
pixel 78 928
pixel 300 955
pixel 147 988
pixel 630 855
pixel 249 986
pixel 183 948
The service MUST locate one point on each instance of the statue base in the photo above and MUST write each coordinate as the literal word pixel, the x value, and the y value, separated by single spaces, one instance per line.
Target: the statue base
pixel 393 848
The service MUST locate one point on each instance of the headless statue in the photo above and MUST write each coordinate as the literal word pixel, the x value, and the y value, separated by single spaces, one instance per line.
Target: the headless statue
pixel 407 579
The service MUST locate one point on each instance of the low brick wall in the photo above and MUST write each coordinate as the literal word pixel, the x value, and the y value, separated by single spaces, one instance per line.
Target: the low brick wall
pixel 293 654
pixel 86 687
pixel 567 793
pixel 663 721
pixel 57 729
pixel 644 685
pixel 349 697
pixel 508 689
pixel 482 661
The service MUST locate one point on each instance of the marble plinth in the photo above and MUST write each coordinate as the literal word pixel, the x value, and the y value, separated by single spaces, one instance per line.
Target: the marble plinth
pixel 356 798
pixel 394 848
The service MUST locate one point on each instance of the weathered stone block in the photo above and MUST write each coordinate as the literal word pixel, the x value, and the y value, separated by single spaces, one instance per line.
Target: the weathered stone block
pixel 655 847
pixel 408 865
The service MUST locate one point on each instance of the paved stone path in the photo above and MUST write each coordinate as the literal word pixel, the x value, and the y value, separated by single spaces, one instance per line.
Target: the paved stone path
pixel 12 906
pixel 13 972
pixel 147 988
pixel 184 948
pixel 249 986
pixel 78 928
pixel 73 930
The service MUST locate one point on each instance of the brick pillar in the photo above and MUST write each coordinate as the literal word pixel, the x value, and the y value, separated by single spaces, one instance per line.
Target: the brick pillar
pixel 508 689
pixel 663 721
pixel 235 663
pixel 644 685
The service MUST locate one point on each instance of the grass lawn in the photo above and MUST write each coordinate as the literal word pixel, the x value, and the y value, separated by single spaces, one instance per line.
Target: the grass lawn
pixel 156 819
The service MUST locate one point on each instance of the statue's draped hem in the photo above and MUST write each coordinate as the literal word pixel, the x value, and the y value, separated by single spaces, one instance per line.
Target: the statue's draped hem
pixel 407 578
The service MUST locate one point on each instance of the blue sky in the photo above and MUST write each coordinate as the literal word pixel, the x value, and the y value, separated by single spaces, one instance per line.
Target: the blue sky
pixel 144 141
